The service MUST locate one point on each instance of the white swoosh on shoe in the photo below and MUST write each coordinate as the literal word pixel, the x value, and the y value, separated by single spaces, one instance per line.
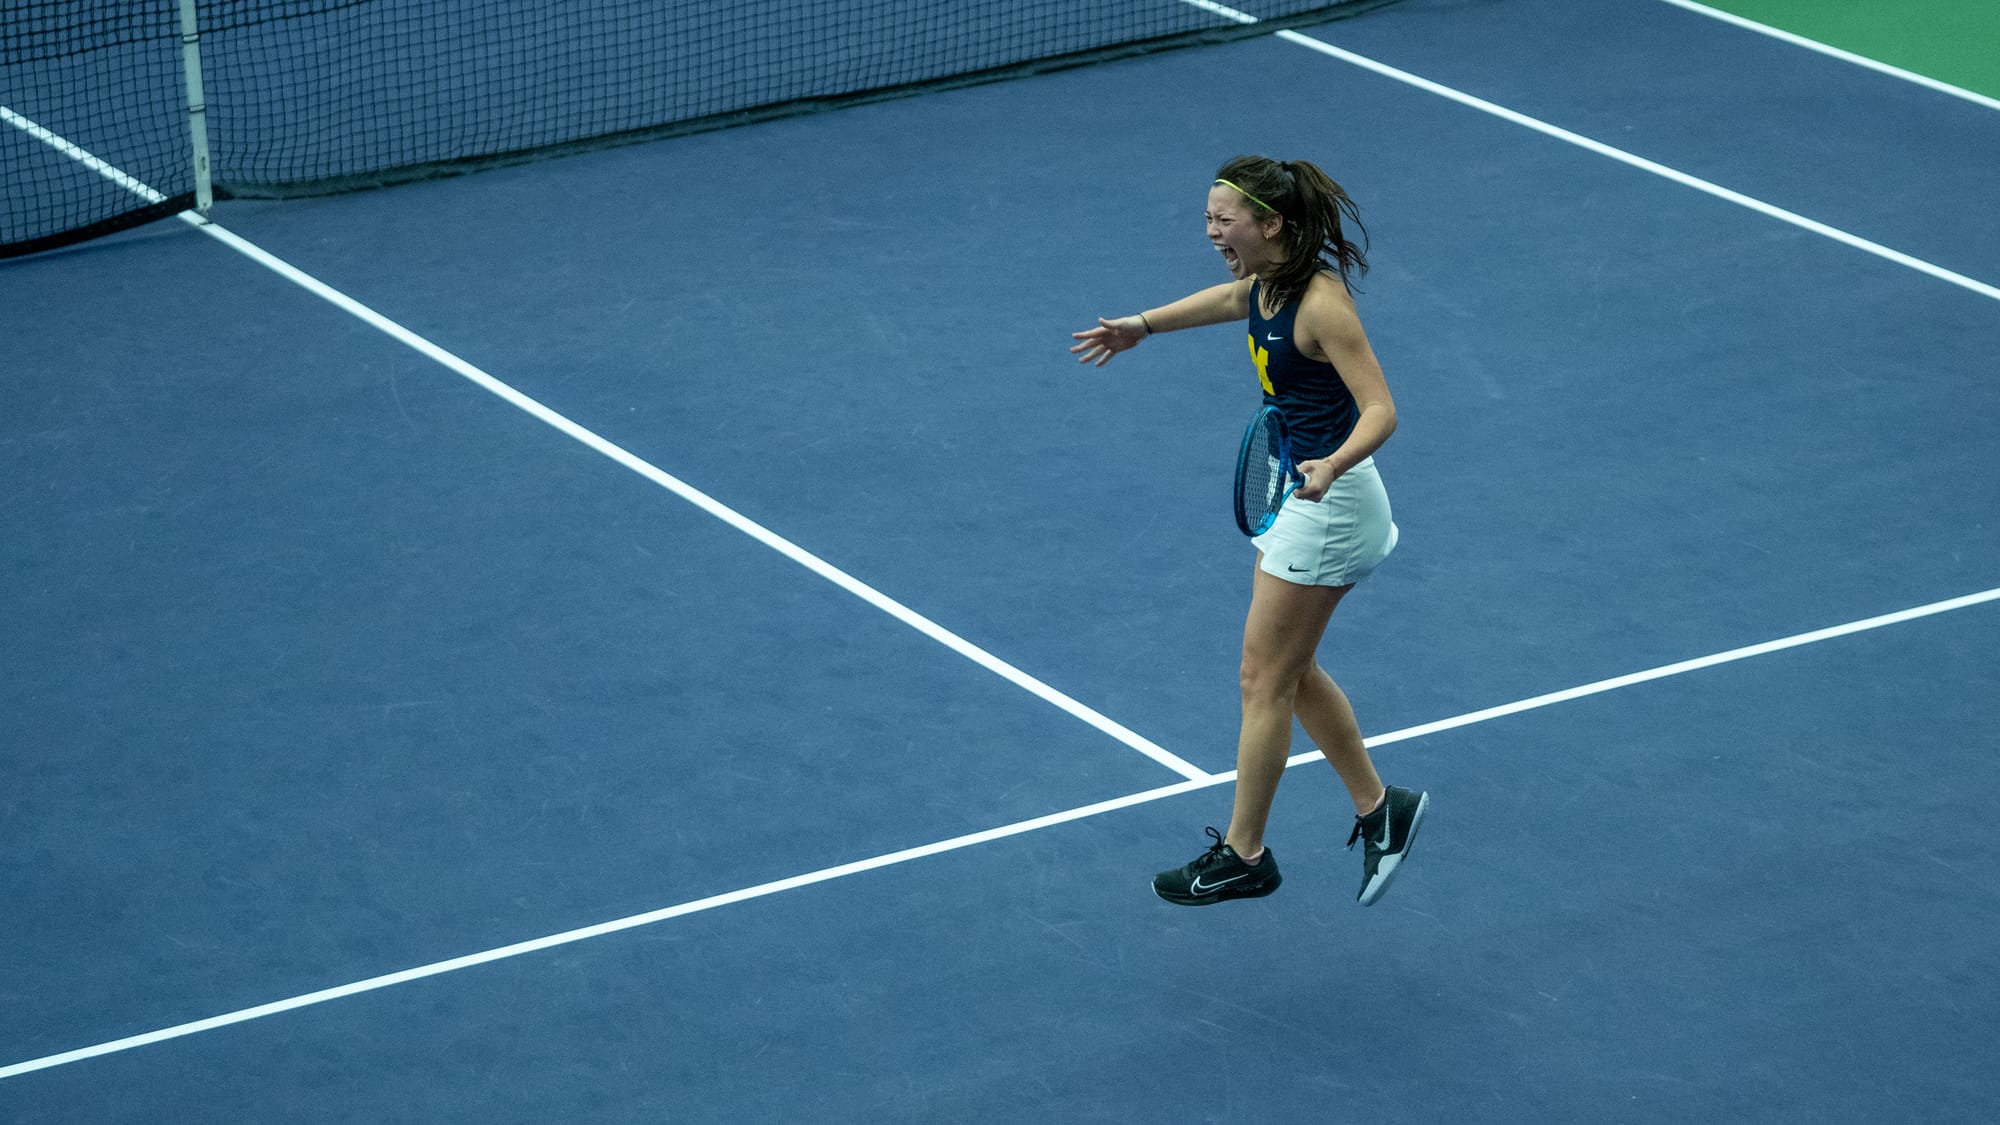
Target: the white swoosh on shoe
pixel 1197 888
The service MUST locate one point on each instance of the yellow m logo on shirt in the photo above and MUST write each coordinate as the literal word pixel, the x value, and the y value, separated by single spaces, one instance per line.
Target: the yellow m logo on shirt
pixel 1262 358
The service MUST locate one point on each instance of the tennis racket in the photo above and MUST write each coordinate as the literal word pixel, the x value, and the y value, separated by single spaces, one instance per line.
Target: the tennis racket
pixel 1265 475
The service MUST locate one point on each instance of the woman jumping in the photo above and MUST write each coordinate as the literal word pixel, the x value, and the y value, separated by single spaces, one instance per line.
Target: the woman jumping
pixel 1279 228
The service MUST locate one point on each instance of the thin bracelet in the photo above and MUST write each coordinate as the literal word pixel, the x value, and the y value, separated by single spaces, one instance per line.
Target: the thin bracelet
pixel 1147 323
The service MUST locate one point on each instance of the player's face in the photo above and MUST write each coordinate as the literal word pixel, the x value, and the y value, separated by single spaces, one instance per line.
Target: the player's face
pixel 1236 229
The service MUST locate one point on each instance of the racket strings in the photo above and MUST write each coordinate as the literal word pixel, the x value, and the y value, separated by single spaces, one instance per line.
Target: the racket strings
pixel 1265 486
pixel 1263 472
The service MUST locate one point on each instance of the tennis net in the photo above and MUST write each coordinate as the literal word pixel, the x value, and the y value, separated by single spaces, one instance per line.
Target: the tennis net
pixel 309 97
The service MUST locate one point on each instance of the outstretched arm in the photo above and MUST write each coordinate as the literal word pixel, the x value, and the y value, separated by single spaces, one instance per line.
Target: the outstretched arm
pixel 1216 305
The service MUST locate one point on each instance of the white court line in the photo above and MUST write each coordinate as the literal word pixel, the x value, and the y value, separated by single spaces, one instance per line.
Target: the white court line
pixel 957 843
pixel 705 502
pixel 81 156
pixel 600 930
pixel 1876 65
pixel 631 461
pixel 1197 779
pixel 1665 670
pixel 1618 154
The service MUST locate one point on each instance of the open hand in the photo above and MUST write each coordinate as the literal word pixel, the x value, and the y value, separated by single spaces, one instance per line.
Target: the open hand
pixel 1097 345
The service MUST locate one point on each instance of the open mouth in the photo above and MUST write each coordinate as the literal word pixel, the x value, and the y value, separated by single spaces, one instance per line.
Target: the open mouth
pixel 1230 259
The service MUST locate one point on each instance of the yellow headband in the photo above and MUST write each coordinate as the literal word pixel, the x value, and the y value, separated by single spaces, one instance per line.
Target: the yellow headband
pixel 1248 196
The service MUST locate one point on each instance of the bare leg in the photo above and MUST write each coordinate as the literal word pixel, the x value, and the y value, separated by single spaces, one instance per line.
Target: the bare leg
pixel 1280 635
pixel 1324 711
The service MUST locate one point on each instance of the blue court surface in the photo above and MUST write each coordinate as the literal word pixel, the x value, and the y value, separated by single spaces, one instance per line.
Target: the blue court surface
pixel 740 668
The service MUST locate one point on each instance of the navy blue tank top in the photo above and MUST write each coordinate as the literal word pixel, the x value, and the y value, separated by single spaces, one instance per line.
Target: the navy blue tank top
pixel 1319 409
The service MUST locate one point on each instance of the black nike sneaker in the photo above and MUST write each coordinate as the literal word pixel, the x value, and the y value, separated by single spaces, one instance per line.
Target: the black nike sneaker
pixel 1387 834
pixel 1218 874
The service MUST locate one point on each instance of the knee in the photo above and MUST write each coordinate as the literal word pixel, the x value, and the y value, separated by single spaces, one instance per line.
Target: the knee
pixel 1266 681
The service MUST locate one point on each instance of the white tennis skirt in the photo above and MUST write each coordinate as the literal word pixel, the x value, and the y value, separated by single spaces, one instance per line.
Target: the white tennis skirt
pixel 1336 542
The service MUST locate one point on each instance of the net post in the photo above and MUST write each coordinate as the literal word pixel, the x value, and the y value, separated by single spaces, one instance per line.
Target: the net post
pixel 204 191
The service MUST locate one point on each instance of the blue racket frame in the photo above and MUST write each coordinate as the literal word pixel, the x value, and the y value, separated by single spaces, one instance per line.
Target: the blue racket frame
pixel 1257 521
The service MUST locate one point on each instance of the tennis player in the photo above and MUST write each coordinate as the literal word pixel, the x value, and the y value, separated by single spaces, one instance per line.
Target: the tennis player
pixel 1281 230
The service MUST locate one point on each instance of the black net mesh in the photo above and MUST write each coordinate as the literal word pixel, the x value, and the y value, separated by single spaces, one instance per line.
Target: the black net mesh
pixel 315 97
